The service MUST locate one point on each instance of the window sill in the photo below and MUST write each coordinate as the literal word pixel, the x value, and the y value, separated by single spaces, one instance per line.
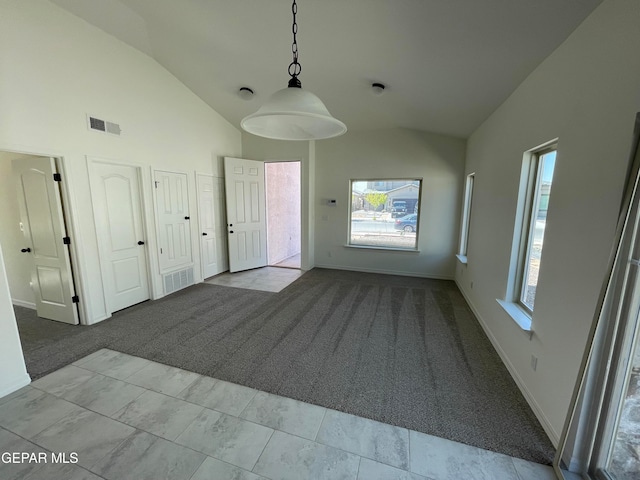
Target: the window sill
pixel 462 259
pixel 522 318
pixel 391 249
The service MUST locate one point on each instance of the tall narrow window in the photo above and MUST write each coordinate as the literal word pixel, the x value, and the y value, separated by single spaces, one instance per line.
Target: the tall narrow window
pixel 466 218
pixel 535 218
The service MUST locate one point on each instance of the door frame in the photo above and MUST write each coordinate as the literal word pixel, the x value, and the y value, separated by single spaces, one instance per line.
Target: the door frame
pixel 68 209
pixel 302 242
pixel 91 160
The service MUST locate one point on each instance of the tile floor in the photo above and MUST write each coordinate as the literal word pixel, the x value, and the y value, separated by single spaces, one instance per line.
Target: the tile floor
pixel 130 418
pixel 294 261
pixel 269 279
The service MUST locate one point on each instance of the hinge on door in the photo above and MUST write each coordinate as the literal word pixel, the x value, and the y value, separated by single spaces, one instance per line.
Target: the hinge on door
pixel 75 299
pixel 66 240
pixel 156 183
pixel 57 177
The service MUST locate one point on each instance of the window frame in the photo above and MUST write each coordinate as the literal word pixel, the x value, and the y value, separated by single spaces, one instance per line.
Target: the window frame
pixel 463 245
pixel 415 249
pixel 532 204
pixel 523 230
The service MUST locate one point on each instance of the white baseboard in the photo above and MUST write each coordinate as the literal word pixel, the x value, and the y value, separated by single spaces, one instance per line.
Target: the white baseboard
pixel 17 384
pixel 544 421
pixel 384 272
pixel 22 303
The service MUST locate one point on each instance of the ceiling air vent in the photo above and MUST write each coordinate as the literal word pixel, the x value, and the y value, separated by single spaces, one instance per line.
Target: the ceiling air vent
pixel 99 125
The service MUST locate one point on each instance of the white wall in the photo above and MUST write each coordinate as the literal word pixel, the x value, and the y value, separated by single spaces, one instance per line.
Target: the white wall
pixel 395 153
pixel 11 238
pixel 586 94
pixel 13 372
pixel 57 68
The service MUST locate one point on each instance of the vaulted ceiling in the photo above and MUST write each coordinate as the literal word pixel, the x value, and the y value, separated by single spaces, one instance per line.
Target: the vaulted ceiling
pixel 447 64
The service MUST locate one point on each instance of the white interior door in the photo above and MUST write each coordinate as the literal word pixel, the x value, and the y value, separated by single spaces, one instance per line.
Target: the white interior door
pixel 174 231
pixel 212 220
pixel 44 232
pixel 117 207
pixel 246 213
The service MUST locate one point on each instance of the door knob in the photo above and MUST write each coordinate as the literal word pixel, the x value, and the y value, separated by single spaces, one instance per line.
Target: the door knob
pixel 140 242
pixel 204 234
pixel 187 218
pixel 230 231
pixel 25 250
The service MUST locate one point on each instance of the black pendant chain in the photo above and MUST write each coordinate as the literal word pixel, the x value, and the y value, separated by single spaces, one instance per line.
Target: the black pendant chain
pixel 294 67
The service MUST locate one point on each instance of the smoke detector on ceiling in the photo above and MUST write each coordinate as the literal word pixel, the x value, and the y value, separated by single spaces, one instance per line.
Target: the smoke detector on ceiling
pixel 245 93
pixel 377 89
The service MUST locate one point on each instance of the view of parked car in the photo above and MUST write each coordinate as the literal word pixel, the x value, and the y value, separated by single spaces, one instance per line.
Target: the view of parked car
pixel 407 223
pixel 398 209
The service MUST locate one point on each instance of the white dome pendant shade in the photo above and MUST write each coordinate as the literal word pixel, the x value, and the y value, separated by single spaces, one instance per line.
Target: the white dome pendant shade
pixel 293 114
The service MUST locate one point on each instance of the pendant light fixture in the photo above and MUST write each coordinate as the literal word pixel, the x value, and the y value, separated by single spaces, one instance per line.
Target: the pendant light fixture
pixel 293 113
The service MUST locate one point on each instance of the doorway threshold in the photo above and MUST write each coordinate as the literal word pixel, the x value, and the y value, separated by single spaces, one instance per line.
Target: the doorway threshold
pixel 293 261
pixel 268 279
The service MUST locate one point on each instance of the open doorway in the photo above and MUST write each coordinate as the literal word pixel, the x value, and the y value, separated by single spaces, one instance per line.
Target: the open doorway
pixel 35 239
pixel 264 224
pixel 284 239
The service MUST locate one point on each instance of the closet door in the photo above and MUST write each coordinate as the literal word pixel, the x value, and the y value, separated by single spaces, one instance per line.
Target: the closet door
pixel 174 229
pixel 117 208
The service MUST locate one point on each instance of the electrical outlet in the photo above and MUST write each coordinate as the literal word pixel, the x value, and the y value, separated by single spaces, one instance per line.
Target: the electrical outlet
pixel 534 362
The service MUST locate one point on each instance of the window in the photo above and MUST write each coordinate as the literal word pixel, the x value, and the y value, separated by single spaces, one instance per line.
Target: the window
pixel 466 217
pixel 531 218
pixel 541 174
pixel 386 216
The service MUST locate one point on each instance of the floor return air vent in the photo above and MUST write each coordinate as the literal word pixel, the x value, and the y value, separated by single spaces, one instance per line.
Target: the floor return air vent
pixel 175 281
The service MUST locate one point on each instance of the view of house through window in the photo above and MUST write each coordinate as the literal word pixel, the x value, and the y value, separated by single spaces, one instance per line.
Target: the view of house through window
pixel 384 213
pixel 538 203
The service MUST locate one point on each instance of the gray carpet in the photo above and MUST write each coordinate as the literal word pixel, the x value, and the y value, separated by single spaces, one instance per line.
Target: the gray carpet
pixel 400 350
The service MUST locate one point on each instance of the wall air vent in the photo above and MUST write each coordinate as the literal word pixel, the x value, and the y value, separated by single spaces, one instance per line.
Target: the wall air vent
pixel 113 128
pixel 99 125
pixel 178 280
